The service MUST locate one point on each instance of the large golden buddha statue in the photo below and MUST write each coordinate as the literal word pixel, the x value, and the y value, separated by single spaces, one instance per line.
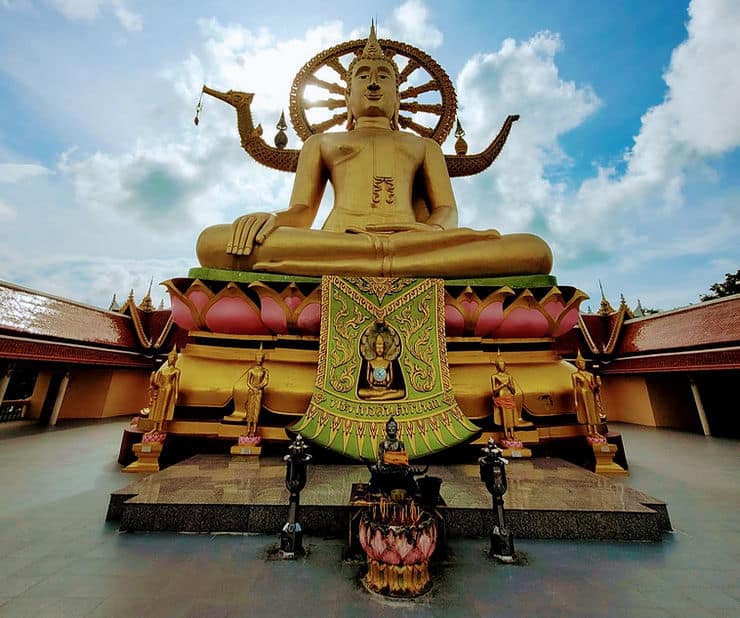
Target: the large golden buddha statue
pixel 394 212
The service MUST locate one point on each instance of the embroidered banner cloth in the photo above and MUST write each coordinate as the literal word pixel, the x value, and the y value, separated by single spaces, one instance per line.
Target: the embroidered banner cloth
pixel 382 353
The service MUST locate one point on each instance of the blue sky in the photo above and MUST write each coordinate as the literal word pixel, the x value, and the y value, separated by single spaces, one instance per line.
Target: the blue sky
pixel 625 158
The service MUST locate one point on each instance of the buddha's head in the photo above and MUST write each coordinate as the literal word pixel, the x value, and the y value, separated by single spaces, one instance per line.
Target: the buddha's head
pixel 372 90
pixel 580 362
pixel 172 357
pixel 379 345
pixel 500 364
pixel 391 428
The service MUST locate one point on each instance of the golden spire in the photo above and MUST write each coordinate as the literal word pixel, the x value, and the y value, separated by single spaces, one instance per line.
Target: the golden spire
pixel 146 303
pixel 605 307
pixel 372 50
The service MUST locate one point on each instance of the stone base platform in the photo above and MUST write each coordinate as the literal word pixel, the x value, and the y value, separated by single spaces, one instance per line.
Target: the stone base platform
pixel 547 499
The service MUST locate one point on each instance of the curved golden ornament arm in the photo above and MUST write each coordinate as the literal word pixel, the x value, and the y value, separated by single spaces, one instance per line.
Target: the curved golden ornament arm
pixel 467 165
pixel 285 160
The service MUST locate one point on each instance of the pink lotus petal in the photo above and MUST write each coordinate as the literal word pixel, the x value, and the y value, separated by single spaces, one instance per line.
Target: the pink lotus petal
pixel 454 321
pixel 293 302
pixel 199 299
pixel 414 556
pixel 489 320
pixel 403 547
pixel 309 319
pixel 569 320
pixel 390 556
pixel 523 322
pixel 469 307
pixel 181 313
pixel 554 308
pixel 234 316
pixel 377 543
pixel 273 315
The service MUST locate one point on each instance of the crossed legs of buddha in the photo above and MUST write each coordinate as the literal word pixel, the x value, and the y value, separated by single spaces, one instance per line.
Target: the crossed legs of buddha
pixel 460 252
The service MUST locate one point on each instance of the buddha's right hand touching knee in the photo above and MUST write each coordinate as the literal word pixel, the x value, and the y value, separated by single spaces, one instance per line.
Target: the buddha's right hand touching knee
pixel 249 230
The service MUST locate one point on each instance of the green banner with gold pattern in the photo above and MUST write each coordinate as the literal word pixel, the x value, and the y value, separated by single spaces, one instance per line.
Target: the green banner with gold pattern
pixel 382 353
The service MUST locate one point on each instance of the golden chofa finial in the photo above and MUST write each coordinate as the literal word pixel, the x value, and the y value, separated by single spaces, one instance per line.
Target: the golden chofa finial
pixel 605 308
pixel 146 302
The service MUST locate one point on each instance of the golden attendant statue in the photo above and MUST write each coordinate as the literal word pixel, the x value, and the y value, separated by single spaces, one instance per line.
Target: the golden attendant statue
pixel 507 401
pixel 247 395
pixel 165 385
pixel 585 388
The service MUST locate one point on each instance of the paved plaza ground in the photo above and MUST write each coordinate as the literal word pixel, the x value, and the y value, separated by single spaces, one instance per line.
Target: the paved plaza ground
pixel 59 558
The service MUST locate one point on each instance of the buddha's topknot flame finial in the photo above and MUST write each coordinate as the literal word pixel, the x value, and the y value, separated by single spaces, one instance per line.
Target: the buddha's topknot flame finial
pixel 372 50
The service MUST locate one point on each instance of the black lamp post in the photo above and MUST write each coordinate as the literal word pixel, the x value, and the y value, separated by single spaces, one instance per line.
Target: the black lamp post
pixel 291 536
pixel 493 474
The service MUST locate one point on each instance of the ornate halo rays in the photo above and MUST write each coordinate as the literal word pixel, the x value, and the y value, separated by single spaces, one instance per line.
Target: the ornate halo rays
pixel 428 100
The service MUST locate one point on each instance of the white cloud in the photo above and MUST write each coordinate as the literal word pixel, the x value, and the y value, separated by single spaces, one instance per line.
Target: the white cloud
pixel 411 21
pixel 614 223
pixel 7 211
pixel 86 10
pixel 18 172
pixel 521 77
pixel 697 119
pixel 89 10
pixel 199 176
pixel 133 22
pixel 89 278
pixel 156 183
pixel 15 4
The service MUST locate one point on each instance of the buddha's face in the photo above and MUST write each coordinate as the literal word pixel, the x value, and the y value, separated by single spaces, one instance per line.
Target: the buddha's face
pixel 391 428
pixel 373 90
pixel 172 358
pixel 580 363
pixel 500 364
pixel 379 346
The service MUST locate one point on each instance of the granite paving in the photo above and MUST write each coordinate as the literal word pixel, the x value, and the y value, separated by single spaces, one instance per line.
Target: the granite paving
pixel 547 498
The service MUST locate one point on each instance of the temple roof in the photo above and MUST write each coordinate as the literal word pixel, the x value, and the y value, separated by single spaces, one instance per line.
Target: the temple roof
pixel 713 323
pixel 39 326
pixel 700 337
pixel 39 315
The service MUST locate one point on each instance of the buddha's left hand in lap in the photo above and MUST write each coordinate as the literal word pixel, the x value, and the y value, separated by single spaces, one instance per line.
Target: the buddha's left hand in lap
pixel 389 228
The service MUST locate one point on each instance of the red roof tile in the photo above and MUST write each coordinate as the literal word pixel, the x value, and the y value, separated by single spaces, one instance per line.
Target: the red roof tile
pixel 712 324
pixel 30 313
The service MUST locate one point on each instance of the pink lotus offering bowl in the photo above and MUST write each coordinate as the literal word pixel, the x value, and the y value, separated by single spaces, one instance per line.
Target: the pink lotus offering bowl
pixel 154 436
pixel 596 439
pixel 398 553
pixel 249 440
